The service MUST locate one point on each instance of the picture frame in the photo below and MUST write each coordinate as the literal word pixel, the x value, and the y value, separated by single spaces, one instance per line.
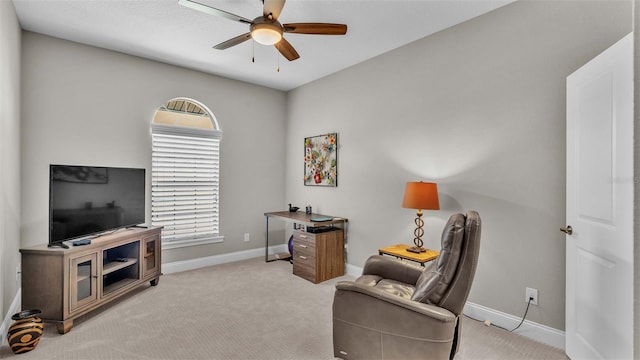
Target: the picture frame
pixel 321 160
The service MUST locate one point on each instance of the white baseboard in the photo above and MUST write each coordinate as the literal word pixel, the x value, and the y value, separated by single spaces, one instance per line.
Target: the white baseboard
pixel 530 329
pixel 14 308
pixel 192 264
pixel 540 333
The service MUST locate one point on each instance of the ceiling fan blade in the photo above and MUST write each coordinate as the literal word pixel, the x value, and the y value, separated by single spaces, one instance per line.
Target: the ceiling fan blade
pixel 315 28
pixel 213 11
pixel 233 41
pixel 286 49
pixel 273 7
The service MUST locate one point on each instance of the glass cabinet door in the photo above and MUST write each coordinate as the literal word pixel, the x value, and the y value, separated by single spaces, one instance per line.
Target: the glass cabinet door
pixel 83 285
pixel 151 255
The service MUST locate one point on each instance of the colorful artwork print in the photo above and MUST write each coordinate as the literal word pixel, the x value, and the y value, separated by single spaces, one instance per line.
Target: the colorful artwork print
pixel 321 160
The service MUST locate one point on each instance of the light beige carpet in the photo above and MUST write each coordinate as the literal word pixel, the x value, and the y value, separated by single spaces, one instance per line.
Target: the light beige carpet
pixel 244 310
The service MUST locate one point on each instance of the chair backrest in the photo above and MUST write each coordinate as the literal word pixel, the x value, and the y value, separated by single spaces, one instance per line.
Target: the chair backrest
pixel 448 282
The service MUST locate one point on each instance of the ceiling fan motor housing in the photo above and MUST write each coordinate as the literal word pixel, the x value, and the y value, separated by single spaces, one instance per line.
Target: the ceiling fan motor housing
pixel 266 31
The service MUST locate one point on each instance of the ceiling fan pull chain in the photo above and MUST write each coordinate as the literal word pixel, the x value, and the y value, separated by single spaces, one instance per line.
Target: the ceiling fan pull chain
pixel 253 51
pixel 278 57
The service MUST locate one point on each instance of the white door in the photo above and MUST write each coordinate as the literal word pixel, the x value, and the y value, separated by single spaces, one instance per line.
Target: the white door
pixel 599 275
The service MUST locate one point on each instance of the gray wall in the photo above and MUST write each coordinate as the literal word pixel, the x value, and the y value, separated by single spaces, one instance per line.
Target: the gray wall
pixel 89 106
pixel 10 35
pixel 480 109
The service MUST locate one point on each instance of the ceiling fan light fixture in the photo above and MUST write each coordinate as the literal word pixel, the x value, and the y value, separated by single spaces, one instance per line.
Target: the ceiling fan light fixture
pixel 265 33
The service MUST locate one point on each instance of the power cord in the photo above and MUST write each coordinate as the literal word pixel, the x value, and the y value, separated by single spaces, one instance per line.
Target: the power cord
pixel 524 316
pixel 488 323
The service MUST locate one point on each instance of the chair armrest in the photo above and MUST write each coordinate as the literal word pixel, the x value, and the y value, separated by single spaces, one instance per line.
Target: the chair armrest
pixel 391 268
pixel 437 313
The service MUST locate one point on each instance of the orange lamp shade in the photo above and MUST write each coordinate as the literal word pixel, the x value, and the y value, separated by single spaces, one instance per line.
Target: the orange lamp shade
pixel 421 196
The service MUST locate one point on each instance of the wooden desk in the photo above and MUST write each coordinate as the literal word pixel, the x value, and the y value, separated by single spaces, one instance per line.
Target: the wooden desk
pixel 400 251
pixel 298 218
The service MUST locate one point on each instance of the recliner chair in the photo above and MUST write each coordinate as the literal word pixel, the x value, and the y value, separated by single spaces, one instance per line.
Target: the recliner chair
pixel 398 310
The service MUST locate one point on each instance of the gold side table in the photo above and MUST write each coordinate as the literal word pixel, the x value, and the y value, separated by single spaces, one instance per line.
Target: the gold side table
pixel 400 252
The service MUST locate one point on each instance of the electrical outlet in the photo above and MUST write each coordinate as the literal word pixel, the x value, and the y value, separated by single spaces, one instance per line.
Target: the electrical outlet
pixel 247 237
pixel 531 293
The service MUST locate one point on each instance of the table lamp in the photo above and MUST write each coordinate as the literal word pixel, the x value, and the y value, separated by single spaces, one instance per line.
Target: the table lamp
pixel 421 196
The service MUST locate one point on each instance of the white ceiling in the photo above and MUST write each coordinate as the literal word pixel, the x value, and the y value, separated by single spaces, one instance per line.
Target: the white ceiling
pixel 165 31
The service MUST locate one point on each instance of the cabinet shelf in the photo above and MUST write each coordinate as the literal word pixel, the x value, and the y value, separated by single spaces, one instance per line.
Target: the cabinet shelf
pixel 117 285
pixel 112 266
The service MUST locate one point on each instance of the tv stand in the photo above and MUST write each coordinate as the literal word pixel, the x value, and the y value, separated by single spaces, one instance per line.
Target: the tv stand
pixel 66 284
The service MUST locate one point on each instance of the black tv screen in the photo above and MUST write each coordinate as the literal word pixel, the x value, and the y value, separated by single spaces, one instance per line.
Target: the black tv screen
pixel 87 200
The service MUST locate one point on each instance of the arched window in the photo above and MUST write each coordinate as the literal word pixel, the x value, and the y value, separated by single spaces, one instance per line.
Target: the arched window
pixel 185 173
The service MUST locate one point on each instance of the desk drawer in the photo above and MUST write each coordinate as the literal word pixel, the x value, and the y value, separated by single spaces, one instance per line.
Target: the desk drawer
pixel 304 264
pixel 304 237
pixel 302 245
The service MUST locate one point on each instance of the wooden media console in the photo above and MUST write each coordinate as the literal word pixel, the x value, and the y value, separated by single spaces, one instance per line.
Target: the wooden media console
pixel 67 283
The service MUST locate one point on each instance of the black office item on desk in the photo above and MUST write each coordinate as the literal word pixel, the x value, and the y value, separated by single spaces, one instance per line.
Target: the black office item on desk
pixel 319 229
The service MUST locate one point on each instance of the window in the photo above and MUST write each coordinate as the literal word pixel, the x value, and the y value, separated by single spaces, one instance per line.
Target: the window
pixel 185 174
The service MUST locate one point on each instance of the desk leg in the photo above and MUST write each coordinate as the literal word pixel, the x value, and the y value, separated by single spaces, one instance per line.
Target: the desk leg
pixel 266 239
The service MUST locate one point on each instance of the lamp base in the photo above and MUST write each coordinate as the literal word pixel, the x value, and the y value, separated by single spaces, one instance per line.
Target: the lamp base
pixel 416 249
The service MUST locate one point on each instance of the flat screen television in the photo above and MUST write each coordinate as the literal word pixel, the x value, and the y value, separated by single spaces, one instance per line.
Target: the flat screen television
pixel 85 201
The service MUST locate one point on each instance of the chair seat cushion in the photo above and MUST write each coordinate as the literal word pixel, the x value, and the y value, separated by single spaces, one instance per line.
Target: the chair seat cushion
pixel 396 288
pixel 369 280
pixel 391 286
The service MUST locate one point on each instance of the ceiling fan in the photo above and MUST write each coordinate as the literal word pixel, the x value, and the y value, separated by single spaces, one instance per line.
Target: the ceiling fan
pixel 266 29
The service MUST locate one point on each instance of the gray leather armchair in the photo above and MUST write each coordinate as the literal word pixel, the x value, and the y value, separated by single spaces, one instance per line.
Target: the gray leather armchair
pixel 398 310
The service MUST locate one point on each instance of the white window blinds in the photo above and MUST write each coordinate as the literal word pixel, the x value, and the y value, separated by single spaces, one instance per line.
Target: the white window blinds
pixel 185 183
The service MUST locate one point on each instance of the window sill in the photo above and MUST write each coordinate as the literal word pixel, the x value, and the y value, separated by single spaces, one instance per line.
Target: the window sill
pixel 176 244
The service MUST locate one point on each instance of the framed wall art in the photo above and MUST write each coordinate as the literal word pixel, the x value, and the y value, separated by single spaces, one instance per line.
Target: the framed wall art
pixel 321 160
